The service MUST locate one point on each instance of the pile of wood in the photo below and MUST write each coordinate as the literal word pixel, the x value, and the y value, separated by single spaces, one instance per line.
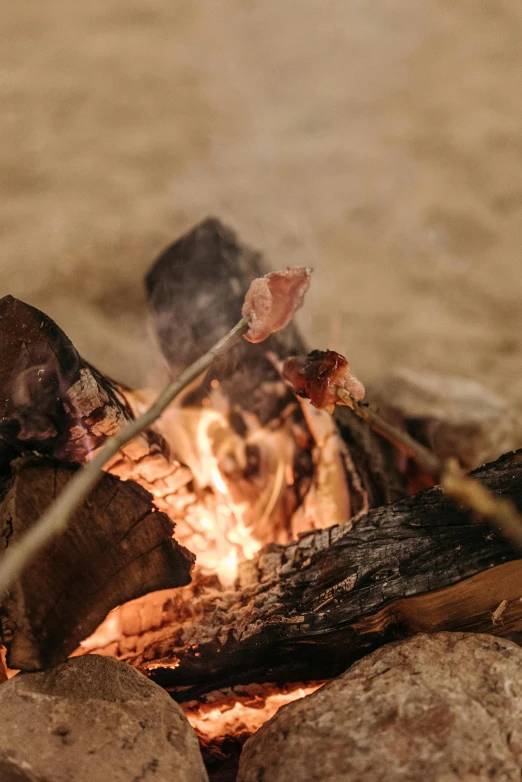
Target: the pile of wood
pixel 322 592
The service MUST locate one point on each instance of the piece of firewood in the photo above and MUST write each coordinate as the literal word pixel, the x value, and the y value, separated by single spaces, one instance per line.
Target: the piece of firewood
pixel 56 517
pixel 51 400
pixel 308 609
pixel 117 547
pixel 196 290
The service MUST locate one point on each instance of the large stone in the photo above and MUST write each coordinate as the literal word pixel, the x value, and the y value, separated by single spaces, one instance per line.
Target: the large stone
pixel 93 719
pixel 455 416
pixel 433 708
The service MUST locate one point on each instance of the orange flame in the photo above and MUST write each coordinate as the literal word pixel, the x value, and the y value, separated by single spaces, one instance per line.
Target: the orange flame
pixel 225 506
pixel 220 515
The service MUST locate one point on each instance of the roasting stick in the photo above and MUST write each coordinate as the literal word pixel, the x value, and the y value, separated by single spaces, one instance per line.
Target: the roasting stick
pixel 55 518
pixel 448 473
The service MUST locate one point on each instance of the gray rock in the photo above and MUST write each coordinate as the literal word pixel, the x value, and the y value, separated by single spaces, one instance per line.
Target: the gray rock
pixel 455 416
pixel 437 707
pixel 93 719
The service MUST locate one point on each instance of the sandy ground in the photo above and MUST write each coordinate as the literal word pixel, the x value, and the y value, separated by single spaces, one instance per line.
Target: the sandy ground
pixel 380 142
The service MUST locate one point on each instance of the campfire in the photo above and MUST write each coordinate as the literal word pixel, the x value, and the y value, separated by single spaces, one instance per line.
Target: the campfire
pixel 247 545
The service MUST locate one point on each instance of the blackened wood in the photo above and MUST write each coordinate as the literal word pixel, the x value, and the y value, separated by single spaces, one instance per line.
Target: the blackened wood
pixel 51 400
pixel 375 460
pixel 196 289
pixel 116 547
pixel 308 609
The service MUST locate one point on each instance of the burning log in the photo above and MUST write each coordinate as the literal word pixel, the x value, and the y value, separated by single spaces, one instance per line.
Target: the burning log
pixel 52 401
pixel 196 292
pixel 117 547
pixel 55 403
pixel 308 609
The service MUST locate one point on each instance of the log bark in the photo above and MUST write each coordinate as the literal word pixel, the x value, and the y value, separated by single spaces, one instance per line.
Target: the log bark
pixel 307 610
pixel 116 547
pixel 51 400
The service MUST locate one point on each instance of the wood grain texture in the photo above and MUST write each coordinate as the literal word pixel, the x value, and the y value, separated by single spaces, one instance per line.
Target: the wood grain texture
pixel 116 547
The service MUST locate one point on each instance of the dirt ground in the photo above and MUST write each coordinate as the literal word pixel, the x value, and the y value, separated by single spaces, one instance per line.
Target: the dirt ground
pixel 380 142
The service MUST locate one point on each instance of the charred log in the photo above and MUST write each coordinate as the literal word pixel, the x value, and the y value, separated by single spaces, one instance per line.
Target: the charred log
pixel 51 400
pixel 308 609
pixel 196 290
pixel 116 547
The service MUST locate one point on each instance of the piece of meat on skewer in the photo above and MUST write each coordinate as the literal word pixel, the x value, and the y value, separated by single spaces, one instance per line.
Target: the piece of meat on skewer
pixel 319 375
pixel 272 301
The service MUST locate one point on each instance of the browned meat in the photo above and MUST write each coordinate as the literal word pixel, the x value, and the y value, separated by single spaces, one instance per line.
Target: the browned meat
pixel 272 301
pixel 318 375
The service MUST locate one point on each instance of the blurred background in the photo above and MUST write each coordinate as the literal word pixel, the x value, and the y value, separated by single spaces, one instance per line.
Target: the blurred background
pixel 380 142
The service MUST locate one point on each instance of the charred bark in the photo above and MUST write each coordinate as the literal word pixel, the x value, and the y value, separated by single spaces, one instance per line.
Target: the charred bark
pixel 54 403
pixel 308 609
pixel 116 547
pixel 51 400
pixel 196 289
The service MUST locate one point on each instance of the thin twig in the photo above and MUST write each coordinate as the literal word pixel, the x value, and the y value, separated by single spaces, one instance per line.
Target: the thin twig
pixel 56 517
pixel 455 482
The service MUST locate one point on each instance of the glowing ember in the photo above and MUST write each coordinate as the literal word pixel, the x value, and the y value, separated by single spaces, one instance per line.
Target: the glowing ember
pixel 236 713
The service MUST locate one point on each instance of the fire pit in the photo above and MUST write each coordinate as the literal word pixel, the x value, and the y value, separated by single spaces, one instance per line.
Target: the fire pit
pixel 246 547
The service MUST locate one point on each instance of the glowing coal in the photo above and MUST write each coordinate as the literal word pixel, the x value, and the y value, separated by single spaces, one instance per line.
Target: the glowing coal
pixel 243 710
